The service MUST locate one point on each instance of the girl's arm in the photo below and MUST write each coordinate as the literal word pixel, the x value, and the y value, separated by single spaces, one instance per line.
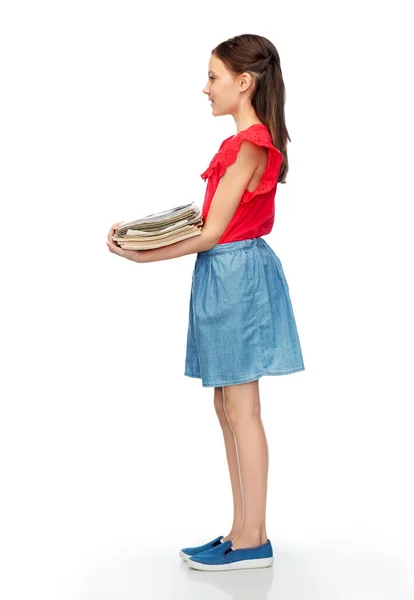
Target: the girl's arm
pixel 223 207
pixel 198 243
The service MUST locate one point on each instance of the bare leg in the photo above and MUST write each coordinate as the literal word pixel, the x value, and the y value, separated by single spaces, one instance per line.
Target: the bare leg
pixel 232 462
pixel 242 407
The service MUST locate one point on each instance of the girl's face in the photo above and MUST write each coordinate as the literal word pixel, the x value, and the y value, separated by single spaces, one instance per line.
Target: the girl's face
pixel 222 89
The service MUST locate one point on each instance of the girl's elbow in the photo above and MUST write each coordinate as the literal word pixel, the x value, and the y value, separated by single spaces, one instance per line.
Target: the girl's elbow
pixel 209 240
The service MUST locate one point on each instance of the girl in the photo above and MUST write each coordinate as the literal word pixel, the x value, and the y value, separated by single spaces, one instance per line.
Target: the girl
pixel 241 322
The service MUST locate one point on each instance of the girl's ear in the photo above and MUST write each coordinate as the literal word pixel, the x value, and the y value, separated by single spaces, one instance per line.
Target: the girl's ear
pixel 245 81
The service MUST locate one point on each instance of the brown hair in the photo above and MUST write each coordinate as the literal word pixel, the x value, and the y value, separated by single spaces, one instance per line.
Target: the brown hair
pixel 255 54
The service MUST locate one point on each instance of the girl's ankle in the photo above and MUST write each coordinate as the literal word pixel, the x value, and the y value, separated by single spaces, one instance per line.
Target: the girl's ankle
pixel 230 536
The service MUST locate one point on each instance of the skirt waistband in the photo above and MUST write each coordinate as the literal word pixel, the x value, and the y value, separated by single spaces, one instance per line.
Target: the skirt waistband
pixel 232 246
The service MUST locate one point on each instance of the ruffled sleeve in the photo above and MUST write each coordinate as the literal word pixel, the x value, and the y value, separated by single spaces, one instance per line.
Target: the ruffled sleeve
pixel 210 169
pixel 227 155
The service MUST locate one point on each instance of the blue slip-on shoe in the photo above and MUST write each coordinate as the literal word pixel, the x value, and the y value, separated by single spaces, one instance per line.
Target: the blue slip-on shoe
pixel 225 558
pixel 186 553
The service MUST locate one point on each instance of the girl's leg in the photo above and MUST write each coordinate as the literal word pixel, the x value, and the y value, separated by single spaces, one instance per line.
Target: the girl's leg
pixel 242 408
pixel 232 462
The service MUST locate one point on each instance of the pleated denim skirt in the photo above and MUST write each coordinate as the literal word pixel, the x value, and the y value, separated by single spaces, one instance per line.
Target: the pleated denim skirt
pixel 241 324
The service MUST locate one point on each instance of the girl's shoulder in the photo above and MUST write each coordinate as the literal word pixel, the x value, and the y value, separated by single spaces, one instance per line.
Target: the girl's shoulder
pixel 259 135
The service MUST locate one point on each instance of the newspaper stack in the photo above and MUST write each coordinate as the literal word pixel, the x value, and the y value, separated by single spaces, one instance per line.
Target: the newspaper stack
pixel 160 229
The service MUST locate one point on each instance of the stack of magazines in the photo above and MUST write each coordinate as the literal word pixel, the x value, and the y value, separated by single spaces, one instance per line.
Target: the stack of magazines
pixel 160 229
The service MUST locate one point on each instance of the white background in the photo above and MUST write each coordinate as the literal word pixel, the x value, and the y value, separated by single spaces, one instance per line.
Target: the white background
pixel 111 459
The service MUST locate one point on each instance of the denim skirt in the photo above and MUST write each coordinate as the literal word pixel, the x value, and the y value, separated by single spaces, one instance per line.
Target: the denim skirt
pixel 241 324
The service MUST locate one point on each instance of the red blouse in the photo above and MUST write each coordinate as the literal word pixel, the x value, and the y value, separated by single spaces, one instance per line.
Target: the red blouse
pixel 255 214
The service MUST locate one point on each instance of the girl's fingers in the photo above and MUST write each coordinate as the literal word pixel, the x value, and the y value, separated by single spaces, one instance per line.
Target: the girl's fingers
pixel 113 247
pixel 111 231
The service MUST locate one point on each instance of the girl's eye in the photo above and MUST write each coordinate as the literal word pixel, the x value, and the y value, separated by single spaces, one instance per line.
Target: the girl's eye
pixel 211 77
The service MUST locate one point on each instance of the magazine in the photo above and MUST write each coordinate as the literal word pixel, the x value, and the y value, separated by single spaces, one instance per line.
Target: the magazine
pixel 160 229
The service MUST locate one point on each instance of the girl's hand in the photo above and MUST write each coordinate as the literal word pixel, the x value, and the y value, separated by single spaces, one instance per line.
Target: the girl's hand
pixel 135 255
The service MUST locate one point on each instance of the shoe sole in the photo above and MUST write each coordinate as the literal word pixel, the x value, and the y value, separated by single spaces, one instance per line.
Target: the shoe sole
pixel 256 563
